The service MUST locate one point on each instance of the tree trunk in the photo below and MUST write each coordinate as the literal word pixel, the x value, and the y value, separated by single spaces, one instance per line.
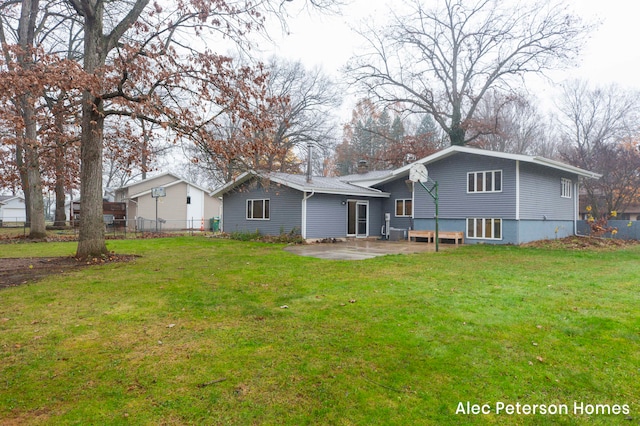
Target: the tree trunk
pixel 35 204
pixel 91 241
pixel 35 207
pixel 60 218
pixel 456 131
pixel 24 180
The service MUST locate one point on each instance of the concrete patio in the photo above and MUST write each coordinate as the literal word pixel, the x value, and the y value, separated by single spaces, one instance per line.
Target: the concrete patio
pixel 359 249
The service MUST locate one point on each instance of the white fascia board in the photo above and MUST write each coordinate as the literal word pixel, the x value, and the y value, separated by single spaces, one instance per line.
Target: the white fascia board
pixel 566 167
pixel 148 191
pixel 147 180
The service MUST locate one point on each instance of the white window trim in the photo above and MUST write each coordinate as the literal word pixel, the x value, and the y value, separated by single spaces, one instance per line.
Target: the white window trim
pixel 246 211
pixel 493 181
pixel 404 207
pixel 566 186
pixel 485 220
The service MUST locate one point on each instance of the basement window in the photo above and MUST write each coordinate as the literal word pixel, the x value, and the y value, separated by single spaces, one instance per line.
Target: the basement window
pixel 484 228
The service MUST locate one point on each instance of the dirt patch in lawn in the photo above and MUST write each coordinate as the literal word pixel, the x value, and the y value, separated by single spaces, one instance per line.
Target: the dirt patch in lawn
pixel 17 271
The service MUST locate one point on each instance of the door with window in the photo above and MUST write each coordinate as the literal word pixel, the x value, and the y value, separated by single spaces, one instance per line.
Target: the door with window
pixel 357 218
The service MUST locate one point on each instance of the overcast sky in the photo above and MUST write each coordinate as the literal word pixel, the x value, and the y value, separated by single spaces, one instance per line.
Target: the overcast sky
pixel 611 55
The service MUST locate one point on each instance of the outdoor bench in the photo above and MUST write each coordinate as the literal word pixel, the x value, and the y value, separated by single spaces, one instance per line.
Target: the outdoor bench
pixel 446 235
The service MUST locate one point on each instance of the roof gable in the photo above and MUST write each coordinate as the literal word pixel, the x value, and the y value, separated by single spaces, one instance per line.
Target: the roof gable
pixel 147 187
pixel 5 199
pixel 455 149
pixel 318 184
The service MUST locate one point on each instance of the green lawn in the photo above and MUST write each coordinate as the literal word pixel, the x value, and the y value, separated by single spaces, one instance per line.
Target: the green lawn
pixel 195 331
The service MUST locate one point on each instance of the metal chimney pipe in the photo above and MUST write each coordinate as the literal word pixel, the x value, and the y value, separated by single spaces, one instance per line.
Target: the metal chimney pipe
pixel 309 162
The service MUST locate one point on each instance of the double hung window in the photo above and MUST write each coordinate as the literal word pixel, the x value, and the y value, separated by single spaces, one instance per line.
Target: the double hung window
pixel 565 191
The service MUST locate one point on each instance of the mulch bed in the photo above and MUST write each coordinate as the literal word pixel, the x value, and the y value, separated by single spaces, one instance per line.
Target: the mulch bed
pixel 583 243
pixel 18 271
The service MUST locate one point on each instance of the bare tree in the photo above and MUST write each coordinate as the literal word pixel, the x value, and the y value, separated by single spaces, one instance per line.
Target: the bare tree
pixel 300 110
pixel 305 118
pixel 444 61
pixel 512 123
pixel 599 126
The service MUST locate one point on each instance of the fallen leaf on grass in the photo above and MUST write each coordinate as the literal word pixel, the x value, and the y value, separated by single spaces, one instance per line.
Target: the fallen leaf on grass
pixel 171 325
pixel 539 358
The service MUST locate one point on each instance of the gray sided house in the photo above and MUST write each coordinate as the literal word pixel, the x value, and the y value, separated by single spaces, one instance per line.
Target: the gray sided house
pixel 275 203
pixel 492 197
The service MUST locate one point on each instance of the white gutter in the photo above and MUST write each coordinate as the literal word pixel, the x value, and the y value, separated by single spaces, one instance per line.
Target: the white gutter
pixel 303 231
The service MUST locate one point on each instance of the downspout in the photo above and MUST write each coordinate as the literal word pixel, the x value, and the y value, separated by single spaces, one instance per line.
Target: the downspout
pixel 518 201
pixel 576 208
pixel 304 212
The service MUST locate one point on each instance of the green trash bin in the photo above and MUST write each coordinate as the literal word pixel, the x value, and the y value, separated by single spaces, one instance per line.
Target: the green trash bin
pixel 214 224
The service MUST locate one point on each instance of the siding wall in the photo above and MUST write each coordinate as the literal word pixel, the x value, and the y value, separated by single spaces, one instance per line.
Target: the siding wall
pixel 455 202
pixel 540 189
pixel 285 208
pixel 14 211
pixel 398 190
pixel 327 216
pixel 540 193
pixel 171 208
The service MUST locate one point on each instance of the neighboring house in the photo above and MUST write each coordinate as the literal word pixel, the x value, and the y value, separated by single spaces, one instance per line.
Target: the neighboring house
pixel 184 206
pixel 12 209
pixel 492 197
pixel 629 212
pixel 113 214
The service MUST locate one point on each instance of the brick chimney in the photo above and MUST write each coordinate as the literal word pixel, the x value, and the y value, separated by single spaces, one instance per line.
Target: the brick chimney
pixel 363 167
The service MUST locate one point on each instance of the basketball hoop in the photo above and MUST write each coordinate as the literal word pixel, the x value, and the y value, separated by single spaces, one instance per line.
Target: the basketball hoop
pixel 418 173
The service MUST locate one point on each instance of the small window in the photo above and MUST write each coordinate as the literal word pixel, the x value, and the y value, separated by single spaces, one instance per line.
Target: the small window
pixel 484 228
pixel 565 191
pixel 258 209
pixel 403 208
pixel 489 181
pixel 188 199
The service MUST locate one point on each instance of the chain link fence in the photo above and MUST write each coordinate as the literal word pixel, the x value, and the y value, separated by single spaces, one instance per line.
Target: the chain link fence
pixel 124 228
